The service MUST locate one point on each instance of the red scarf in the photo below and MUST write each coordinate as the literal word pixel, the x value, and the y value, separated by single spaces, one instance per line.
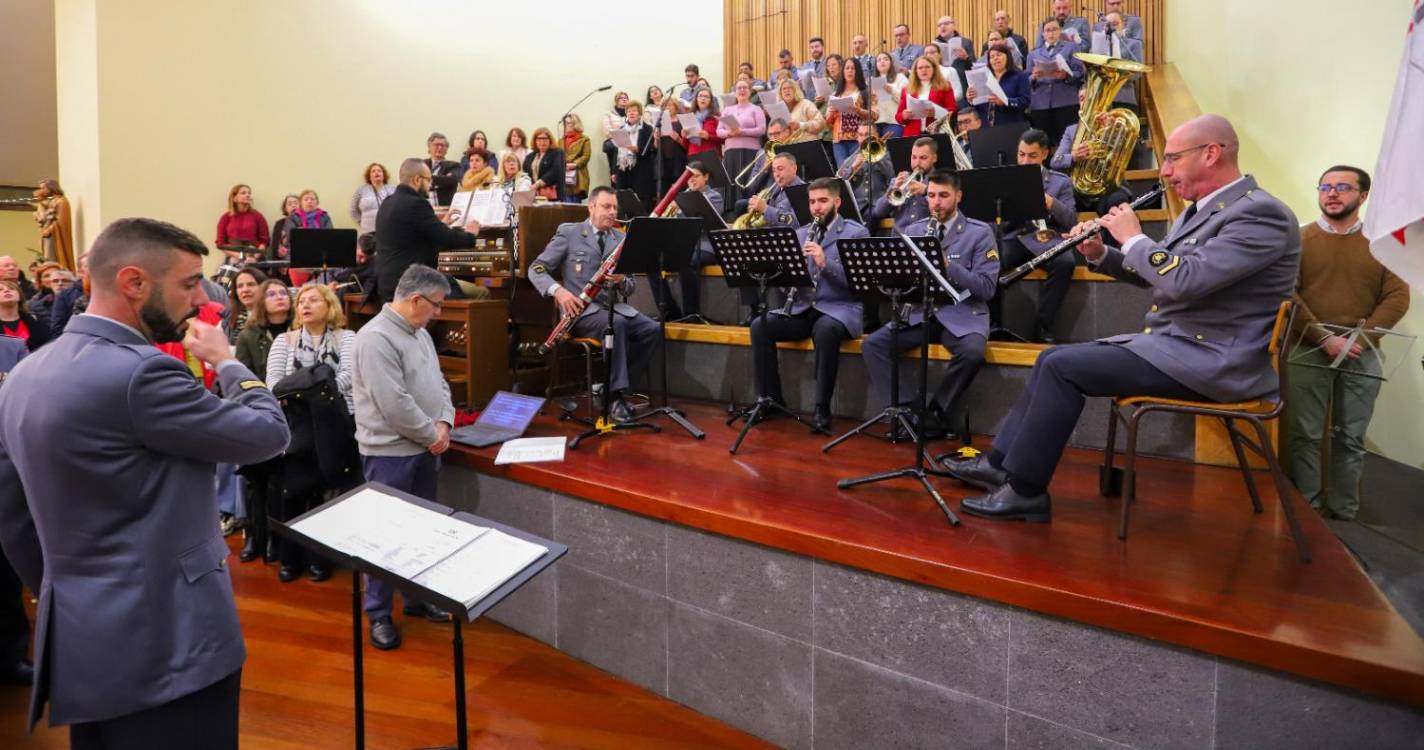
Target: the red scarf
pixel 570 136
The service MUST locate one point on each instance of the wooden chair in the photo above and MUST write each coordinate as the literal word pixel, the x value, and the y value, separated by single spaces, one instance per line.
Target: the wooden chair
pixel 1256 413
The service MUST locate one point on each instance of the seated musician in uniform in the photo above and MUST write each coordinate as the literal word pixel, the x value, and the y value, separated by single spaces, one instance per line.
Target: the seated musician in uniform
pixel 1067 155
pixel 972 265
pixel 966 121
pixel 1025 240
pixel 690 278
pixel 923 155
pixel 769 198
pixel 567 264
pixel 1217 280
pixel 868 181
pixel 826 312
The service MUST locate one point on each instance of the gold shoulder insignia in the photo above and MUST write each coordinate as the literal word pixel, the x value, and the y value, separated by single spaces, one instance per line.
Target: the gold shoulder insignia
pixel 992 254
pixel 538 268
pixel 248 385
pixel 1158 258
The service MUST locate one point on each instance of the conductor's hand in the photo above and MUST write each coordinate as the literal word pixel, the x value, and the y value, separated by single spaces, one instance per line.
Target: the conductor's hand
pixel 568 303
pixel 442 439
pixel 1093 249
pixel 1122 223
pixel 816 253
pixel 206 342
pixel 1333 345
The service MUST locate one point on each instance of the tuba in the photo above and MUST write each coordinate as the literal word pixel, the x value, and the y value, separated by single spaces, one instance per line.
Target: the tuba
pixel 1111 134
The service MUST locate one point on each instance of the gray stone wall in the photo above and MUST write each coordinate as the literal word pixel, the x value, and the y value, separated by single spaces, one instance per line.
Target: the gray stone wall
pixel 808 654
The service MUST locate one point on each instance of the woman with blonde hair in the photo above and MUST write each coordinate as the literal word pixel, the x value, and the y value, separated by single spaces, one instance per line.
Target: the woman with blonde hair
pixel 367 200
pixel 806 122
pixel 926 84
pixel 577 151
pixel 510 174
pixel 241 224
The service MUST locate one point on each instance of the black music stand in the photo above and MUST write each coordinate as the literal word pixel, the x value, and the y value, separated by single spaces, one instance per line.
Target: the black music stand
pixel 897 267
pixel 1003 195
pixel 900 152
pixel 417 592
pixel 756 258
pixel 811 160
pixel 799 196
pixel 323 249
pixel 848 208
pixel 655 246
pixel 997 146
pixel 629 205
pixel 717 178
pixel 695 204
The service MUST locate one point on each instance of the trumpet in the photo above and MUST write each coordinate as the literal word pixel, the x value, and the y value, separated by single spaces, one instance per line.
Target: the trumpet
pixel 755 219
pixel 898 195
pixel 758 166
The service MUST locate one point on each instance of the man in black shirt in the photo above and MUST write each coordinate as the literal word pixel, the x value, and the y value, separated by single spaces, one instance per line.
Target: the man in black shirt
pixel 407 231
pixel 444 174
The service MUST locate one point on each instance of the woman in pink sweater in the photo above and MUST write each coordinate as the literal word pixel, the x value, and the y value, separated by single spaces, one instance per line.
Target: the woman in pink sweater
pixel 743 141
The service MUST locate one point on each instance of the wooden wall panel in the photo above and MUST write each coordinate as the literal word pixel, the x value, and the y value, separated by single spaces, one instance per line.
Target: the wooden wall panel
pixel 757 29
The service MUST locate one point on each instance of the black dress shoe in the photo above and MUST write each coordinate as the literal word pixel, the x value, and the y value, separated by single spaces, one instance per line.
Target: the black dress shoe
pixel 289 573
pixel 384 634
pixel 269 555
pixel 621 412
pixel 21 672
pixel 978 472
pixel 821 418
pixel 1005 504
pixel 249 548
pixel 428 611
pixel 318 572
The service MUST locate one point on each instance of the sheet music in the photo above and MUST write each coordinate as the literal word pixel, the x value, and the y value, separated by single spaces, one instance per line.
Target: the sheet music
pixel 918 108
pixel 488 206
pixel 1063 65
pixel 401 537
pixel 951 77
pixel 766 98
pixel 1100 44
pixel 471 573
pixel 622 138
pixel 666 128
pixel 841 104
pixel 530 450
pixel 984 83
pixel 730 121
pixel 691 128
pixel 1071 34
pixel 822 85
pixel 728 99
pixel 778 111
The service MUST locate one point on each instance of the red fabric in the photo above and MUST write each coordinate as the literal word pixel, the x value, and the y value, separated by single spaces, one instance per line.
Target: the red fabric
pixel 211 314
pixel 248 226
pixel 914 126
pixel 570 137
pixel 710 141
pixel 19 331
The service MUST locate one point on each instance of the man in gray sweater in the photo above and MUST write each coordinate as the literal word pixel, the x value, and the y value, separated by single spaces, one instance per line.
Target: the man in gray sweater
pixel 403 416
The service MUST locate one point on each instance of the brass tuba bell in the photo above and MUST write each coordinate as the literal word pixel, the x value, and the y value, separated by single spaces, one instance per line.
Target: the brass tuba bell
pixel 1111 134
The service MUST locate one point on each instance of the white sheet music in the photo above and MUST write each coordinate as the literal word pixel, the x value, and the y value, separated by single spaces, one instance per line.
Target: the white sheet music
pixel 951 77
pixel 1071 34
pixel 480 567
pixel 778 111
pixel 765 98
pixel 489 206
pixel 1100 44
pixel 531 450
pixel 401 537
pixel 822 85
pixel 730 121
pixel 1063 64
pixel 917 107
pixel 984 83
pixel 728 99
pixel 622 138
pixel 841 104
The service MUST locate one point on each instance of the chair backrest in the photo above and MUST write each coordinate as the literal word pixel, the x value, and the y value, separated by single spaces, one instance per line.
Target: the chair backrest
pixel 1284 317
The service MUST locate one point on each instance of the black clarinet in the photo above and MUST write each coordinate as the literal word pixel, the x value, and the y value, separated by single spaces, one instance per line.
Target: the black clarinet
pixel 1066 245
pixel 816 234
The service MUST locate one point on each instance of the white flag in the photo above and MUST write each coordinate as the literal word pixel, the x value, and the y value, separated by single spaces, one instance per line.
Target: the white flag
pixel 1394 224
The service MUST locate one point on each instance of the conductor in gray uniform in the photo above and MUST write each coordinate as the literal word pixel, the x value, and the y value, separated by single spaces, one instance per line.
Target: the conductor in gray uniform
pixel 971 263
pixel 1217 280
pixel 567 264
pixel 137 639
pixel 826 313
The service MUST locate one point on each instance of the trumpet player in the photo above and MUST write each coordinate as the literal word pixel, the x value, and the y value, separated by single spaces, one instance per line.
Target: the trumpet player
pixel 868 180
pixel 567 264
pixel 971 263
pixel 826 312
pixel 905 200
pixel 1025 240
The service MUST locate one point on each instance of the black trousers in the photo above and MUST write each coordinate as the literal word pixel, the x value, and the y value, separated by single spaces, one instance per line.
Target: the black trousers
pixel 1033 436
pixel 825 332
pixel 1050 293
pixel 14 625
pixel 1054 121
pixel 205 720
pixel 967 360
pixel 289 553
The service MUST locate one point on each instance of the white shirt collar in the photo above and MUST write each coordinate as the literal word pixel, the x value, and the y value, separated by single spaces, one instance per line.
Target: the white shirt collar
pixel 1325 226
pixel 1206 200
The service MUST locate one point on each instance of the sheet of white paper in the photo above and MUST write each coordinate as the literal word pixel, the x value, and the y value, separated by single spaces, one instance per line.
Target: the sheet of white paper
pixel 804 71
pixel 691 128
pixel 822 85
pixel 1045 66
pixel 765 98
pixel 946 51
pixel 841 104
pixel 1071 34
pixel 917 107
pixel 666 127
pixel 490 207
pixel 778 111
pixel 978 80
pixel 1063 64
pixel 994 86
pixel 730 121
pixel 530 450
pixel 1100 44
pixel 951 76
pixel 401 537
pixel 877 85
pixel 481 566
pixel 460 205
pixel 654 117
pixel 622 138
pixel 728 100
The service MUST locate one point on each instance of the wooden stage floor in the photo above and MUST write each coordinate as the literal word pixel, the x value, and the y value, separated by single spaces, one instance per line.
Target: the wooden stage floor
pixel 296 686
pixel 1198 569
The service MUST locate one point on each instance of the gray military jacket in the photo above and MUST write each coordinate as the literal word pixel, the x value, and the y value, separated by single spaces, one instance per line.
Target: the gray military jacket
pixel 573 257
pixel 833 296
pixel 971 263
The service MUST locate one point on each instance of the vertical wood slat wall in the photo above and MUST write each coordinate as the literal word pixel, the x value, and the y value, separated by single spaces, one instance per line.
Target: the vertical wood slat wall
pixel 755 30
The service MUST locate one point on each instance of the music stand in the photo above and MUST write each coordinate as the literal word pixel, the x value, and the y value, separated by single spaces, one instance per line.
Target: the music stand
pixel 799 196
pixel 314 249
pixel 1003 195
pixel 695 204
pixel 897 268
pixel 848 208
pixel 811 160
pixel 755 258
pixel 629 205
pixel 409 588
pixel 996 146
pixel 717 177
pixel 900 149
pixel 654 246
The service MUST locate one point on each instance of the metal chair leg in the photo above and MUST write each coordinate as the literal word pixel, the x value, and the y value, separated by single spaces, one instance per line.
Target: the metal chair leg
pixel 1283 488
pixel 1129 476
pixel 1106 474
pixel 1241 462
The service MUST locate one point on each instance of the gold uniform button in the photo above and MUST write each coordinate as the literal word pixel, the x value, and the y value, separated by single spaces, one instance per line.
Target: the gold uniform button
pixel 1154 308
pixel 1148 329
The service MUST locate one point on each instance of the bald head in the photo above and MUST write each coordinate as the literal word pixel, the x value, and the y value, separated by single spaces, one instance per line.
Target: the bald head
pixel 1213 129
pixel 1201 156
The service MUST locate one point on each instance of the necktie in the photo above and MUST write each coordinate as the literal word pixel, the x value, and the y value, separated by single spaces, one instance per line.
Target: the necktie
pixel 600 244
pixel 938 231
pixel 1186 217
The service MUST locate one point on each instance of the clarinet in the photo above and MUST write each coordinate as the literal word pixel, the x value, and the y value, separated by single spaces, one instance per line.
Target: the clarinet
pixel 817 233
pixel 1066 245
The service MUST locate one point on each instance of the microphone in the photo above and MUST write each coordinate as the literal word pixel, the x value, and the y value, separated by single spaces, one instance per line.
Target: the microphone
pixel 605 88
pixel 580 101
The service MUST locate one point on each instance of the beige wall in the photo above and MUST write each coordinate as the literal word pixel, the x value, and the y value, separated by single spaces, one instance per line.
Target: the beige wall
pixel 194 97
pixel 77 76
pixel 19 237
pixel 29 151
pixel 1300 112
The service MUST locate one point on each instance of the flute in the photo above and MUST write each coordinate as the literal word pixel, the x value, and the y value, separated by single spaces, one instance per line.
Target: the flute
pixel 1069 244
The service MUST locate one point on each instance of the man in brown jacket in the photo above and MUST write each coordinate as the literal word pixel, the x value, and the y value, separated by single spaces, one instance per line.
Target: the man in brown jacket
pixel 1340 284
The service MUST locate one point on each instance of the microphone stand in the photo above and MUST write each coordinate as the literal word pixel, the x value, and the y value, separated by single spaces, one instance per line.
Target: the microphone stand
pixel 565 115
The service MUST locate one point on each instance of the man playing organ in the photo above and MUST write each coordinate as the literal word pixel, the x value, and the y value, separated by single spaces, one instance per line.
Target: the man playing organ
pixel 826 312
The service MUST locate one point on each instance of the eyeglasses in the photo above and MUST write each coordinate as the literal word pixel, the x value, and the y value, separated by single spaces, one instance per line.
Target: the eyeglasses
pixel 432 302
pixel 1339 187
pixel 1173 158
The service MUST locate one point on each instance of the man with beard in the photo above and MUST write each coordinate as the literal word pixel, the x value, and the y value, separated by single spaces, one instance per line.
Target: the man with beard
pixel 407 231
pixel 1340 283
pixel 138 642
